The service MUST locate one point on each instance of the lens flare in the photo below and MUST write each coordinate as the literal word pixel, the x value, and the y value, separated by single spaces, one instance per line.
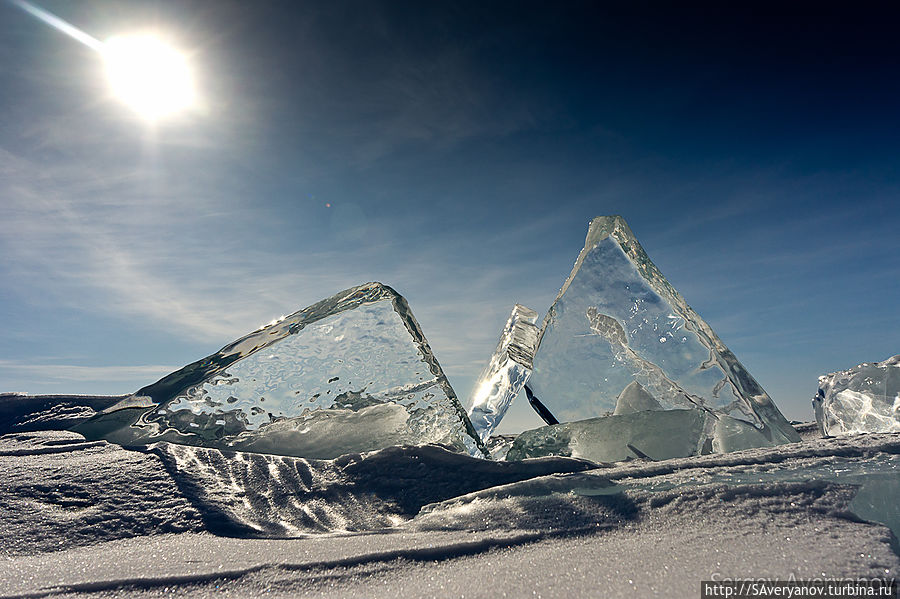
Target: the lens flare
pixel 60 25
pixel 146 74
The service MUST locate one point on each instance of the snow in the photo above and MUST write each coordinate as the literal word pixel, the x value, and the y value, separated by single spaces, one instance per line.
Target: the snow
pixel 59 491
pixel 89 518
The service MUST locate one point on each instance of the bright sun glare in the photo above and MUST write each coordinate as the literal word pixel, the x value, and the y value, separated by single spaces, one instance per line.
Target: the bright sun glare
pixel 148 75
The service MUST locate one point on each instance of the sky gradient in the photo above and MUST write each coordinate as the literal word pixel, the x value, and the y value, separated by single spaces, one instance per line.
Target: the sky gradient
pixel 455 151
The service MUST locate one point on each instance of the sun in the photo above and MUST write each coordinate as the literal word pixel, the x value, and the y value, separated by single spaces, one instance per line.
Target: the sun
pixel 148 75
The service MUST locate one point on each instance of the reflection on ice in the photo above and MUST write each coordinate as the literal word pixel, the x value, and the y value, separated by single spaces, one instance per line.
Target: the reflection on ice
pixel 506 373
pixel 350 373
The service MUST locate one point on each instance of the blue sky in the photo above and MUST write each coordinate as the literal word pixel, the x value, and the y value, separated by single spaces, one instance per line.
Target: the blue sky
pixel 455 151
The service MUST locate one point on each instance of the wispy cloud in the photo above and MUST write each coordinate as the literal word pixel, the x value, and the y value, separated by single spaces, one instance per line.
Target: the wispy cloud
pixel 181 257
pixel 171 254
pixel 53 372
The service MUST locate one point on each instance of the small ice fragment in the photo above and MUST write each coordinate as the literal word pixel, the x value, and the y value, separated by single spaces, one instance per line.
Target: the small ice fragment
pixel 609 328
pixel 865 399
pixel 634 398
pixel 506 373
pixel 304 365
pixel 498 446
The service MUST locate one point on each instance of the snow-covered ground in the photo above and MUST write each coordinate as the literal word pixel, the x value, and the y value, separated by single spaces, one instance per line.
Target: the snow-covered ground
pixel 86 518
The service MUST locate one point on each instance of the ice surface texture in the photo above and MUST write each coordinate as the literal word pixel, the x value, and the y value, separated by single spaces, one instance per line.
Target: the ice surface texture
pixel 865 399
pixel 653 434
pixel 617 321
pixel 281 496
pixel 506 373
pixel 350 373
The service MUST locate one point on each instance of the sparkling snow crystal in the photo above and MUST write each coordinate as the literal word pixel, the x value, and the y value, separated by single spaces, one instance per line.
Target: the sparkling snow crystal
pixel 348 374
pixel 865 399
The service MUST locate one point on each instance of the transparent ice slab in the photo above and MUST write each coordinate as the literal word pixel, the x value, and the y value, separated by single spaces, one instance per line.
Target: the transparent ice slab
pixel 648 434
pixel 617 438
pixel 617 321
pixel 506 373
pixel 865 399
pixel 351 373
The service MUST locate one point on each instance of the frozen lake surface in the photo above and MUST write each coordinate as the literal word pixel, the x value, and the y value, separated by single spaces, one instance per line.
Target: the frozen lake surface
pixel 89 518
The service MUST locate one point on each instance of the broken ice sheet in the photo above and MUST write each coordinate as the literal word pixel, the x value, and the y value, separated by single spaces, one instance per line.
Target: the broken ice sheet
pixel 506 373
pixel 616 438
pixel 652 434
pixel 350 373
pixel 865 399
pixel 617 321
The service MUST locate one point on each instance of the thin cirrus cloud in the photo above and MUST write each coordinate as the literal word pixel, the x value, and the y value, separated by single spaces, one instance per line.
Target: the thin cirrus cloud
pixel 60 374
pixel 65 237
pixel 96 245
pixel 109 226
pixel 107 230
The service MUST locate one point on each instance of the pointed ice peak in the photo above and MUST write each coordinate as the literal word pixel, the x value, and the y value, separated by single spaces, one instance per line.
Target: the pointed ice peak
pixel 614 226
pixel 634 398
pixel 604 226
pixel 617 321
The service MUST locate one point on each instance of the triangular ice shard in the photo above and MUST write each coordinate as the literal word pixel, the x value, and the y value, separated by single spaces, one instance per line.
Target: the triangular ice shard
pixel 865 399
pixel 506 373
pixel 619 339
pixel 351 373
